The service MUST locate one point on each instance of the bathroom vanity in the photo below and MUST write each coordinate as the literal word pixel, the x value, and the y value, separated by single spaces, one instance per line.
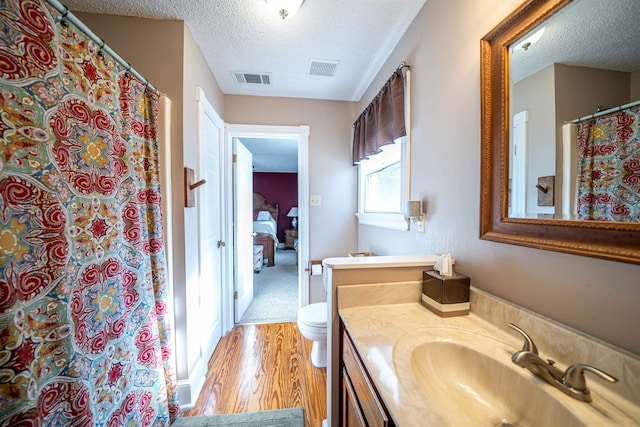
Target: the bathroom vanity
pixel 351 273
pixel 398 363
pixel 428 370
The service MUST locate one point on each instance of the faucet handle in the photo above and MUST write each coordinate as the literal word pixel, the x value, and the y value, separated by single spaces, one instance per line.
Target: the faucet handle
pixel 574 376
pixel 528 342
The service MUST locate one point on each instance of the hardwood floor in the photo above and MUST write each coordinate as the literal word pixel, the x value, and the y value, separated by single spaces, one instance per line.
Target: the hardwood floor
pixel 261 367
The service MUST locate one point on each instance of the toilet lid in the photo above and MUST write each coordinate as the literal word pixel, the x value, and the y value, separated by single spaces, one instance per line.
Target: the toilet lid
pixel 314 314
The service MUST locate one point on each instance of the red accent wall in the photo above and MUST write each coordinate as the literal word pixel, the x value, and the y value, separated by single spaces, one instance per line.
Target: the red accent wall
pixel 281 188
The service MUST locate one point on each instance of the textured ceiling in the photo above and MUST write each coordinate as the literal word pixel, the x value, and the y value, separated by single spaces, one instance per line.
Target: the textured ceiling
pixel 591 33
pixel 245 35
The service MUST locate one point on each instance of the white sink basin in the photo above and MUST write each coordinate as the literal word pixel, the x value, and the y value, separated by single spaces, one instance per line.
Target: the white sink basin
pixel 469 379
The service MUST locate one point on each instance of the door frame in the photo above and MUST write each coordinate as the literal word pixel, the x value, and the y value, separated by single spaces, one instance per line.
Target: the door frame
pixel 267 131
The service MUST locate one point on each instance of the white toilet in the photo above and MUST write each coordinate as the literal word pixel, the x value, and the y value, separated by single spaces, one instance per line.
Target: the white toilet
pixel 312 322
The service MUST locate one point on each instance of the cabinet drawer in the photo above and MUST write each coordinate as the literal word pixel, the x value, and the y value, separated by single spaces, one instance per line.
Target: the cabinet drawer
pixel 370 405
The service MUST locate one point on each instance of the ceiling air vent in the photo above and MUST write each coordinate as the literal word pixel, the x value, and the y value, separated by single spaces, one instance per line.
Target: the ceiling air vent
pixel 322 67
pixel 255 78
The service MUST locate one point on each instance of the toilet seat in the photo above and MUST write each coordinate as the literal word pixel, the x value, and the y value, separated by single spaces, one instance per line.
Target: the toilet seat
pixel 314 315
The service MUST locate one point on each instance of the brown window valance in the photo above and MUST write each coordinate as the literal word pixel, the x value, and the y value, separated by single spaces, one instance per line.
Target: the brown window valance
pixel 382 121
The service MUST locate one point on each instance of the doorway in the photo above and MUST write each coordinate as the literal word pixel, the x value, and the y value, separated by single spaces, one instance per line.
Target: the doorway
pixel 295 257
pixel 274 178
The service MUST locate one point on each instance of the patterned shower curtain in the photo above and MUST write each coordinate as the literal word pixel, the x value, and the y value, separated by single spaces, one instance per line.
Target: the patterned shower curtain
pixel 609 167
pixel 84 321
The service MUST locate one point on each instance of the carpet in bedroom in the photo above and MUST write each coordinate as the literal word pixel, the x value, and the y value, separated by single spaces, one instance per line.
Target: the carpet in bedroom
pixel 275 291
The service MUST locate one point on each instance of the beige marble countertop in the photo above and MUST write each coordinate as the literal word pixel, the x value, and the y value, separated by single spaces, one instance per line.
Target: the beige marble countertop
pixel 376 330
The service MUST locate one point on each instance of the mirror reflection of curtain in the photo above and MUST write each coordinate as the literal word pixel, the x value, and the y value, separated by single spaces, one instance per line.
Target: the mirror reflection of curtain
pixel 609 167
pixel 85 336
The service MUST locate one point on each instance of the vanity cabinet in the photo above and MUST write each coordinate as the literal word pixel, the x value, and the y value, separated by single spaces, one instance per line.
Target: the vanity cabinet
pixel 360 404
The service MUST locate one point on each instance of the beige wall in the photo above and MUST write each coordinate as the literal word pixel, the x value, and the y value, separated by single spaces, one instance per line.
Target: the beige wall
pixel 332 226
pixel 595 296
pixel 581 90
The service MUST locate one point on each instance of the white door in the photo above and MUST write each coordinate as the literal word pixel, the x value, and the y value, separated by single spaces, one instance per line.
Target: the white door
pixel 518 163
pixel 211 244
pixel 243 191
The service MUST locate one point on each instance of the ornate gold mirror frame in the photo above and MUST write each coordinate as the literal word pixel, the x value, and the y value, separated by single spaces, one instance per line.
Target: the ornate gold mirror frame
pixel 610 240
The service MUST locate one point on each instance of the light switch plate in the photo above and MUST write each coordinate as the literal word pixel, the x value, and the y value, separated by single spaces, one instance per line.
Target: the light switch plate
pixel 314 201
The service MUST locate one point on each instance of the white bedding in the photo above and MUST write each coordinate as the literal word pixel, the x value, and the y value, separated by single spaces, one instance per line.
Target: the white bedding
pixel 266 227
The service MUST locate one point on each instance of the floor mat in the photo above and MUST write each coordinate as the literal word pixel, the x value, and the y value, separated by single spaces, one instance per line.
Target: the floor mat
pixel 279 417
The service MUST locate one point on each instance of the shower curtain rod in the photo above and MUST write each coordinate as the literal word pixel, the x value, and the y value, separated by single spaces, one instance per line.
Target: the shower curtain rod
pixel 605 112
pixel 66 14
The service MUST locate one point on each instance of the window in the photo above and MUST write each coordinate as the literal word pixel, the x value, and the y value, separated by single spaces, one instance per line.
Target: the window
pixel 382 186
pixel 380 180
pixel 383 178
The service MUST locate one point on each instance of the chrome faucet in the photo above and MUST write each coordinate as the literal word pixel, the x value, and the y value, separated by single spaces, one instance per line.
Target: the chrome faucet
pixel 570 382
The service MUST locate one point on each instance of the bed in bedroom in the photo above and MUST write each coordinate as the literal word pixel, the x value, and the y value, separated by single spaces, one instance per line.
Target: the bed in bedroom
pixel 265 227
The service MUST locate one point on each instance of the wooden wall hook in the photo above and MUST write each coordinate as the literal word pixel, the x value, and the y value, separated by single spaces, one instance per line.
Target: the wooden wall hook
pixel 189 187
pixel 197 184
pixel 541 188
pixel 545 188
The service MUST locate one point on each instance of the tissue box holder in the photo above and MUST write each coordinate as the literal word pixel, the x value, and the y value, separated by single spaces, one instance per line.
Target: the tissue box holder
pixel 447 296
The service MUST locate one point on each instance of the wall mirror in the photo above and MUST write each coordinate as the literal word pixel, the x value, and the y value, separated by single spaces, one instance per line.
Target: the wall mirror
pixel 543 72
